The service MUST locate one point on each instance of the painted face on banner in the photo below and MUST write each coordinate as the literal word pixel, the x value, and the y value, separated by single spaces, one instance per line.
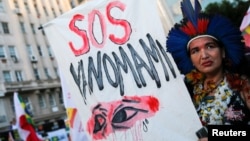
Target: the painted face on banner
pixel 120 115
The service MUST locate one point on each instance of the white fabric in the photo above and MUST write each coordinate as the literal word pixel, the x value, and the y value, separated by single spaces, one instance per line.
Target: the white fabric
pixel 77 39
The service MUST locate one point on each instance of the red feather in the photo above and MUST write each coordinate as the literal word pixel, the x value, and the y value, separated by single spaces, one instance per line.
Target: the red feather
pixel 189 29
pixel 202 25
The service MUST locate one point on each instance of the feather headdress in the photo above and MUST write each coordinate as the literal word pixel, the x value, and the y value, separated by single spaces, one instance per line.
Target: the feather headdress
pixel 196 23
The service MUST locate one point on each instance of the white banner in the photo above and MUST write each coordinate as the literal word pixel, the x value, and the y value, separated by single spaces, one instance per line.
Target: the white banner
pixel 58 135
pixel 125 85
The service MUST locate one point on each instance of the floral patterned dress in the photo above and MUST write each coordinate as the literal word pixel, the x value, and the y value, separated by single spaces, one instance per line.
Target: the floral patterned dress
pixel 226 105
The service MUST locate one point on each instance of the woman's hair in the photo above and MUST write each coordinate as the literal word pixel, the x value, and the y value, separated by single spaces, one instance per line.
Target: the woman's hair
pixel 244 66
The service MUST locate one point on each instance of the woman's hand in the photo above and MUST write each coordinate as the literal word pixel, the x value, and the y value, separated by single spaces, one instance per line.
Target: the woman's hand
pixel 203 139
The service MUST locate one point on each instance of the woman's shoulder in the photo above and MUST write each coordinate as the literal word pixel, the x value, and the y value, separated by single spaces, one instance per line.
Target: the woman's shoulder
pixel 241 84
pixel 236 80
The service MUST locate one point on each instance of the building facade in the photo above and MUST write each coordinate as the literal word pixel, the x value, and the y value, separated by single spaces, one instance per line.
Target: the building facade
pixel 27 63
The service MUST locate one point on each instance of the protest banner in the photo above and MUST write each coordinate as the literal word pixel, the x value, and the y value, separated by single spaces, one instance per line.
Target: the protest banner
pixel 73 121
pixel 124 84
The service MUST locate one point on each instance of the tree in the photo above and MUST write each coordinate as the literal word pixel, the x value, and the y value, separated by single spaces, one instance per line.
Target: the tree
pixel 235 10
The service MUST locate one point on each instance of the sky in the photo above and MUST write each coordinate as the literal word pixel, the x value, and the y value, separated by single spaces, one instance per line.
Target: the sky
pixel 204 3
pixel 176 6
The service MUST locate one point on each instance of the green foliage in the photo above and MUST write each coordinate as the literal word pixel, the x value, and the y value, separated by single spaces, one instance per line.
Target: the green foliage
pixel 235 10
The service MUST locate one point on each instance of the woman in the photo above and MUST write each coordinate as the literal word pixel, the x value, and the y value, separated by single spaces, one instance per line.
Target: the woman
pixel 218 89
pixel 208 50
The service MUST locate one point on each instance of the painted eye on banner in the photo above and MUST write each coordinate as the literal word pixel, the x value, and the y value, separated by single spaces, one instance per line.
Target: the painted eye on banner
pixel 123 115
pixel 120 115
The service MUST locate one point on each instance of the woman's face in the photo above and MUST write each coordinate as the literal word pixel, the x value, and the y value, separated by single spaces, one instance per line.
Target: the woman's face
pixel 206 55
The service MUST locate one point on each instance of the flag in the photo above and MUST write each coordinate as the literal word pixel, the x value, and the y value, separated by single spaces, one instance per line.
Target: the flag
pixel 73 118
pixel 245 28
pixel 24 121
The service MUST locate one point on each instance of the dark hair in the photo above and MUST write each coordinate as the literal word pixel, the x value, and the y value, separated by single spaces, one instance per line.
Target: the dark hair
pixel 244 66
